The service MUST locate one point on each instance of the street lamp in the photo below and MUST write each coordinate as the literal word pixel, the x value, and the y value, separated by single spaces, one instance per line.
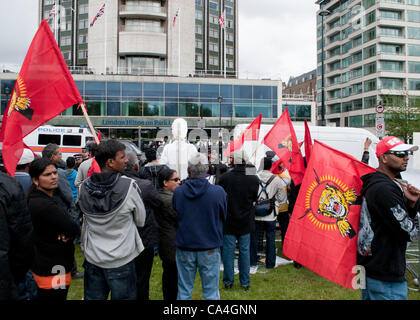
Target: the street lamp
pixel 220 100
pixel 323 13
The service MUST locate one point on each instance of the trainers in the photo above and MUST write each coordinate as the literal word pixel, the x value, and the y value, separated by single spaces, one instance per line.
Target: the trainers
pixel 77 275
pixel 253 269
pixel 246 288
pixel 236 270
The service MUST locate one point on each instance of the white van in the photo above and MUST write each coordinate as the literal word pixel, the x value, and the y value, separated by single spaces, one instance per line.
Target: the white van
pixel 71 140
pixel 348 140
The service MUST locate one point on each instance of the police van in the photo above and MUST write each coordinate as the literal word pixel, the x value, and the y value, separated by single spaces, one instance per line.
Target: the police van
pixel 71 140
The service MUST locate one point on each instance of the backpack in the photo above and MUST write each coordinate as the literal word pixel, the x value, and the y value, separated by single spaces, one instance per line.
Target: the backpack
pixel 264 205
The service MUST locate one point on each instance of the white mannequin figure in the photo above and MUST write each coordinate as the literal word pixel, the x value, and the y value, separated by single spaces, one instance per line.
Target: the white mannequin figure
pixel 174 157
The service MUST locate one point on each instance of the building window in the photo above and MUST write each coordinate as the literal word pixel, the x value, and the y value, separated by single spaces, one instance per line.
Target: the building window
pixel 389 48
pixel 213 19
pixel 83 38
pixel 370 85
pixel 369 68
pixel 65 41
pixel 199 58
pixel 229 50
pixel 229 36
pixel 390 15
pixel 66 55
pixel 369 35
pixel 230 64
pixel 198 15
pixel 413 67
pixel 413 16
pixel 214 33
pixel 393 66
pixel 369 52
pixel 214 61
pixel 390 32
pixel 82 54
pixel 198 29
pixel 413 33
pixel 214 47
pixel 83 8
pixel 413 84
pixel 413 2
pixel 198 43
pixel 390 83
pixel 413 50
pixel 83 24
pixel 214 5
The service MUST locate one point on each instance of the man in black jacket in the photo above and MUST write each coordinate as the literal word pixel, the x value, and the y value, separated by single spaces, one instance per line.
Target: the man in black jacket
pixel 241 185
pixel 16 243
pixel 388 221
pixel 149 233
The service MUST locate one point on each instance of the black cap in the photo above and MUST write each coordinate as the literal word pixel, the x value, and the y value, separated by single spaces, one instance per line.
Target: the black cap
pixel 270 154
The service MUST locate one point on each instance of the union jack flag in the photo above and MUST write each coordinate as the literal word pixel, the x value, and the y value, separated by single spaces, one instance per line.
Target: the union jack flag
pixel 222 19
pixel 99 14
pixel 176 15
pixel 52 12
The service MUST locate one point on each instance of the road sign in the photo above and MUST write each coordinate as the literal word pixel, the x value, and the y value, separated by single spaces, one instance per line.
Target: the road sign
pixel 380 125
pixel 379 108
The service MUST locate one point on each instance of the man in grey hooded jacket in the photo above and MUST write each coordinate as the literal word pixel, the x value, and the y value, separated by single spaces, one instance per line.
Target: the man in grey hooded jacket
pixel 112 209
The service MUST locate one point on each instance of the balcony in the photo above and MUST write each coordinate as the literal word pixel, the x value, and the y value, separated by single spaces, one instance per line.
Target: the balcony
pixel 143 11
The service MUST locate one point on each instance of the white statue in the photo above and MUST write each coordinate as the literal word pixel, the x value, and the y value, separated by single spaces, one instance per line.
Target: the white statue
pixel 176 154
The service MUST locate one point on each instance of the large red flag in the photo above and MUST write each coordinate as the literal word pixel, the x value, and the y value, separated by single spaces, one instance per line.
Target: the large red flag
pixel 282 140
pixel 44 88
pixel 322 232
pixel 251 133
pixel 308 142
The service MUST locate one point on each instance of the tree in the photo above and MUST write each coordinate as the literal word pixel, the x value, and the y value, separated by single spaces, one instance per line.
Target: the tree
pixel 402 115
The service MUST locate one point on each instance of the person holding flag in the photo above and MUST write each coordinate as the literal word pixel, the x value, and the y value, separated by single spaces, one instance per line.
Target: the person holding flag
pixel 388 221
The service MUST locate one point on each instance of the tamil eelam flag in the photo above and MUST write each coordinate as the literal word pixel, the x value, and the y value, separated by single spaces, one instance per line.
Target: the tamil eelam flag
pixel 322 232
pixel 251 133
pixel 281 139
pixel 44 88
pixel 98 15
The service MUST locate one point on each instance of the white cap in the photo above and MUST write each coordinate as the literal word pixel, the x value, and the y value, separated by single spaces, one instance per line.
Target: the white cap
pixel 27 157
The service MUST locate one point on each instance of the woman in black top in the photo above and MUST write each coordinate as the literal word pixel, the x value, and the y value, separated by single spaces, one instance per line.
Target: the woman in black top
pixel 54 231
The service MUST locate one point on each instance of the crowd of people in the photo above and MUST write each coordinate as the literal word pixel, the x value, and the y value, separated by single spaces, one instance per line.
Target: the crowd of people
pixel 124 214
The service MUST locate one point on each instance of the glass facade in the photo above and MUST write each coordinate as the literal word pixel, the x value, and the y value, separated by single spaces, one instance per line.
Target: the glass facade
pixel 115 98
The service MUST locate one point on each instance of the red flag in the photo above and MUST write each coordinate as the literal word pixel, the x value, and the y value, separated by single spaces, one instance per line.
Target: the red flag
pixel 282 140
pixel 94 168
pixel 44 88
pixel 251 133
pixel 322 232
pixel 308 142
pixel 99 136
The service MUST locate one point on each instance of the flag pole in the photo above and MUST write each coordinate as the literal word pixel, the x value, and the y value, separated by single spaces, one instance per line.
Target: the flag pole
pixel 224 38
pixel 179 43
pixel 105 43
pixel 82 105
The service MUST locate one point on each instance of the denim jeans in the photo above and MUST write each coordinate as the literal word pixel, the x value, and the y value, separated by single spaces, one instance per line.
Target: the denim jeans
pixel 381 290
pixel 208 264
pixel 228 255
pixel 269 228
pixel 121 281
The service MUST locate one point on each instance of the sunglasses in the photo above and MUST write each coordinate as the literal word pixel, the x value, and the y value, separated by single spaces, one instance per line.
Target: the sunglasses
pixel 175 179
pixel 400 154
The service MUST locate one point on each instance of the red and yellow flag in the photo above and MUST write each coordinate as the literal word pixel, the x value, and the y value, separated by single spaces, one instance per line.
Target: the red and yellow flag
pixel 44 88
pixel 322 232
pixel 282 140
pixel 251 133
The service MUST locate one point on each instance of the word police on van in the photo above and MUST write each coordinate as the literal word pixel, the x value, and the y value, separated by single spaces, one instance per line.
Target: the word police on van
pixel 70 140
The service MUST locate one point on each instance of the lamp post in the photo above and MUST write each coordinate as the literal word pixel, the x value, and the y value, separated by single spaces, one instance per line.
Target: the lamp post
pixel 220 100
pixel 323 13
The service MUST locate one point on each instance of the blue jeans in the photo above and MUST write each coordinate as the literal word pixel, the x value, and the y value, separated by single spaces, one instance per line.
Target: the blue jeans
pixel 121 281
pixel 228 255
pixel 208 264
pixel 269 228
pixel 381 290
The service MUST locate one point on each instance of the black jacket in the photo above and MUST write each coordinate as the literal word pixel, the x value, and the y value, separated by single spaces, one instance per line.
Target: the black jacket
pixel 49 221
pixel 16 242
pixel 392 223
pixel 167 219
pixel 149 233
pixel 242 193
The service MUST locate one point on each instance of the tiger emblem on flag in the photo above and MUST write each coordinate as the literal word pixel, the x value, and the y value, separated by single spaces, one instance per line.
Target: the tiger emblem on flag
pixel 20 101
pixel 335 204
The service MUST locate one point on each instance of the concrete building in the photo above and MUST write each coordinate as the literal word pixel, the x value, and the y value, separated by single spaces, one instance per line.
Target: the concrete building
pixel 140 36
pixel 372 56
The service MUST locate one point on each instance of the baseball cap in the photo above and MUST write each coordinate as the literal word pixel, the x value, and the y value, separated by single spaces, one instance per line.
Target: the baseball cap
pixel 392 143
pixel 27 157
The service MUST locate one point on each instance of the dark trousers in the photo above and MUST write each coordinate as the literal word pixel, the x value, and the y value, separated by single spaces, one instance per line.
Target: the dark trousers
pixel 53 294
pixel 283 219
pixel 169 280
pixel 144 264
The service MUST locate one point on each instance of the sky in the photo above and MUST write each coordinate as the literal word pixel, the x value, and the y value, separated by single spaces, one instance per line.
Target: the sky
pixel 277 38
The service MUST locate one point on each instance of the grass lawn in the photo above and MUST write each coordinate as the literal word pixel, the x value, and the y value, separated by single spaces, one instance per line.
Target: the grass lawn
pixel 282 283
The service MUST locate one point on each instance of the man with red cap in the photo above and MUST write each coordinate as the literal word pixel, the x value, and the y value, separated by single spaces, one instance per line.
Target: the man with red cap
pixel 388 220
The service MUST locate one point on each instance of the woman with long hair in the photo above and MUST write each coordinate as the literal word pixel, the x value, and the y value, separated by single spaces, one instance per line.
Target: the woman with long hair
pixel 54 231
pixel 167 219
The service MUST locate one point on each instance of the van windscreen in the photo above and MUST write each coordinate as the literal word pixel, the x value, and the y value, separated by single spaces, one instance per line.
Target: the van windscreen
pixel 45 139
pixel 69 140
